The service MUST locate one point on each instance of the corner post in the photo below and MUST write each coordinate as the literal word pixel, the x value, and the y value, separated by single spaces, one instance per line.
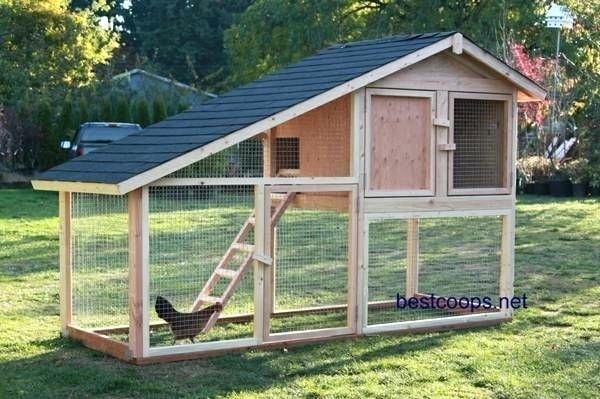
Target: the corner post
pixel 66 265
pixel 137 205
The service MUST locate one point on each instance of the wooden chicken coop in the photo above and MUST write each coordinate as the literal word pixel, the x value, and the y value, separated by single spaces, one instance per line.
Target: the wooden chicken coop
pixel 368 188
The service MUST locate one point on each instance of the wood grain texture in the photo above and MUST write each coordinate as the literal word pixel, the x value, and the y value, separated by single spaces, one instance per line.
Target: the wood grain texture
pixel 400 146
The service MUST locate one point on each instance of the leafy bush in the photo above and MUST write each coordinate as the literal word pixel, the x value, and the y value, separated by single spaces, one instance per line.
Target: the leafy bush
pixel 534 168
pixel 576 170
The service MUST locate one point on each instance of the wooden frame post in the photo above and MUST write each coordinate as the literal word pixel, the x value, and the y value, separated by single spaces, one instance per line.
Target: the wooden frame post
pixel 412 257
pixel 358 160
pixel 262 276
pixel 139 331
pixel 507 258
pixel 66 266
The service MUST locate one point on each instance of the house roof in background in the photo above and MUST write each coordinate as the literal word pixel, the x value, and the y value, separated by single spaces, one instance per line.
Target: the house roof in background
pixel 248 110
pixel 132 74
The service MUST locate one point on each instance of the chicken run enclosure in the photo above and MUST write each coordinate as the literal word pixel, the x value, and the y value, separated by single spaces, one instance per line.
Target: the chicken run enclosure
pixel 309 205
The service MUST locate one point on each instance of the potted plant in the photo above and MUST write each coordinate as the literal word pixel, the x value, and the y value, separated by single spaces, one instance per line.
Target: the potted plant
pixel 536 170
pixel 594 180
pixel 577 172
pixel 559 183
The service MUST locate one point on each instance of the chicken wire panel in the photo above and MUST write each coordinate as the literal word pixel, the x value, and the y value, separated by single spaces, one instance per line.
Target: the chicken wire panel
pixel 244 159
pixel 311 263
pixel 479 135
pixel 191 230
pixel 457 257
pixel 99 239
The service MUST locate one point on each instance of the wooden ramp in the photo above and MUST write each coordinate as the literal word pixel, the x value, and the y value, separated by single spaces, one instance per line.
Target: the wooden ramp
pixel 235 276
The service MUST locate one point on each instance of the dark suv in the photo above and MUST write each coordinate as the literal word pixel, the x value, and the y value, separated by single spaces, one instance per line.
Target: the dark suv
pixel 93 135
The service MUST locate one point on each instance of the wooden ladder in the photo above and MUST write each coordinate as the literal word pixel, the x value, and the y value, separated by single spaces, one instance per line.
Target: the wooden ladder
pixel 235 276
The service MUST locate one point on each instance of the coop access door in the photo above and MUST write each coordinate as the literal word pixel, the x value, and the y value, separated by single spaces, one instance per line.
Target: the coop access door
pixel 481 131
pixel 400 142
pixel 310 283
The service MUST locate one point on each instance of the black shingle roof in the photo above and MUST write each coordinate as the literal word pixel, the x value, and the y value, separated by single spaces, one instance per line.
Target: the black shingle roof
pixel 237 109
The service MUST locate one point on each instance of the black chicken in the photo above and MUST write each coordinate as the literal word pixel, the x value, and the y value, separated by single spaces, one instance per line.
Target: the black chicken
pixel 184 325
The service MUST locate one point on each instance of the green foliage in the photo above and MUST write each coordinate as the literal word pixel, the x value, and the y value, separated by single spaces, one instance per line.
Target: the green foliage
pixel 49 137
pixel 159 109
pixel 140 112
pixel 105 112
pixel 46 48
pixel 182 39
pixel 121 109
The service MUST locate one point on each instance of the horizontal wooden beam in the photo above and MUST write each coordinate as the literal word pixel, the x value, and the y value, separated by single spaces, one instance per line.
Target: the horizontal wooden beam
pixel 503 203
pixel 102 343
pixel 241 181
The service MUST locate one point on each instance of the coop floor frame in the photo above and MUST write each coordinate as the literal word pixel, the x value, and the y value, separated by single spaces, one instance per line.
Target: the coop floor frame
pixel 362 211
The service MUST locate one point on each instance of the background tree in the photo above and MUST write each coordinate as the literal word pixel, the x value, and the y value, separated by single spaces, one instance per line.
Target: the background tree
pixel 46 48
pixel 182 39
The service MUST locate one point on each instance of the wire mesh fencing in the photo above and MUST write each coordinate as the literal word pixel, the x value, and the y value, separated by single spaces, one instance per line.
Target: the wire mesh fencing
pixel 310 252
pixel 99 234
pixel 449 269
pixel 241 160
pixel 192 234
pixel 479 133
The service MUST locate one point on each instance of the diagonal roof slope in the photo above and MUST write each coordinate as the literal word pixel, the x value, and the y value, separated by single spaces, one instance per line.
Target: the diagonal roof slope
pixel 164 146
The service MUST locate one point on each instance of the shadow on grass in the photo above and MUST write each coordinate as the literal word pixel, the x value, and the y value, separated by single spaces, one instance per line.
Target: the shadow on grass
pixel 68 369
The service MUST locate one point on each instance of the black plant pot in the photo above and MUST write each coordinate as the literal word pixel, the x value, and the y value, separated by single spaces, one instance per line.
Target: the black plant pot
pixel 529 188
pixel 540 188
pixel 579 190
pixel 561 188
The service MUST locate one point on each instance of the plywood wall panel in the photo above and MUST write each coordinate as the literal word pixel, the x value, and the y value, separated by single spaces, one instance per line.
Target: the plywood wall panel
pixel 400 143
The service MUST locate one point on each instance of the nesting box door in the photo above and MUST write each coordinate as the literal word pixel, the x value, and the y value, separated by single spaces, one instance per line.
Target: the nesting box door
pixel 400 143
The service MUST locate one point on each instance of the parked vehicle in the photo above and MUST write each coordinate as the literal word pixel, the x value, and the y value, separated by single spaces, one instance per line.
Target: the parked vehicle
pixel 93 135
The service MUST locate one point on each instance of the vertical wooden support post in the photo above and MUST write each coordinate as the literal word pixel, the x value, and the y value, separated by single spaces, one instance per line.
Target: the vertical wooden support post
pixel 442 137
pixel 362 233
pixel 412 257
pixel 262 293
pixel 352 259
pixel 273 265
pixel 507 258
pixel 137 205
pixel 65 256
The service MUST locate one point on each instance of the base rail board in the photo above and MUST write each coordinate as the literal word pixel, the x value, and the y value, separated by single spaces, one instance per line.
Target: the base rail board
pixel 100 342
pixel 468 310
pixel 247 317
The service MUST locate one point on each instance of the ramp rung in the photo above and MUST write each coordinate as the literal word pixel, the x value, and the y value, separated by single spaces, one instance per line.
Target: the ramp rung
pixel 243 247
pixel 226 273
pixel 210 299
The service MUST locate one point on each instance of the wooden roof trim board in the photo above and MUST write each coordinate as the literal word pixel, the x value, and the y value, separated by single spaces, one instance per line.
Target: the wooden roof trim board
pixel 283 109
pixel 531 90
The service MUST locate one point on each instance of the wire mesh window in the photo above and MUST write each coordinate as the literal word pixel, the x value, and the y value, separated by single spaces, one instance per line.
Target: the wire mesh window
pixel 240 160
pixel 192 230
pixel 457 261
pixel 480 133
pixel 99 234
pixel 311 263
pixel 287 154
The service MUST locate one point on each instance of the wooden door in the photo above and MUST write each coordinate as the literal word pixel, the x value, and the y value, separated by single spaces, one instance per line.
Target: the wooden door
pixel 400 143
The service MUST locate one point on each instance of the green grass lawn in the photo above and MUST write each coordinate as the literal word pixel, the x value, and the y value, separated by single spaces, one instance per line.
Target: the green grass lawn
pixel 550 350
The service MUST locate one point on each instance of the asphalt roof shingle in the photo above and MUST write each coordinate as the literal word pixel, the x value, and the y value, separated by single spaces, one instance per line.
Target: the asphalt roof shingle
pixel 241 107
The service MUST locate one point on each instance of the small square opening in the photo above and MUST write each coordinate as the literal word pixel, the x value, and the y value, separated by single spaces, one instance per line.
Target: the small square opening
pixel 287 155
